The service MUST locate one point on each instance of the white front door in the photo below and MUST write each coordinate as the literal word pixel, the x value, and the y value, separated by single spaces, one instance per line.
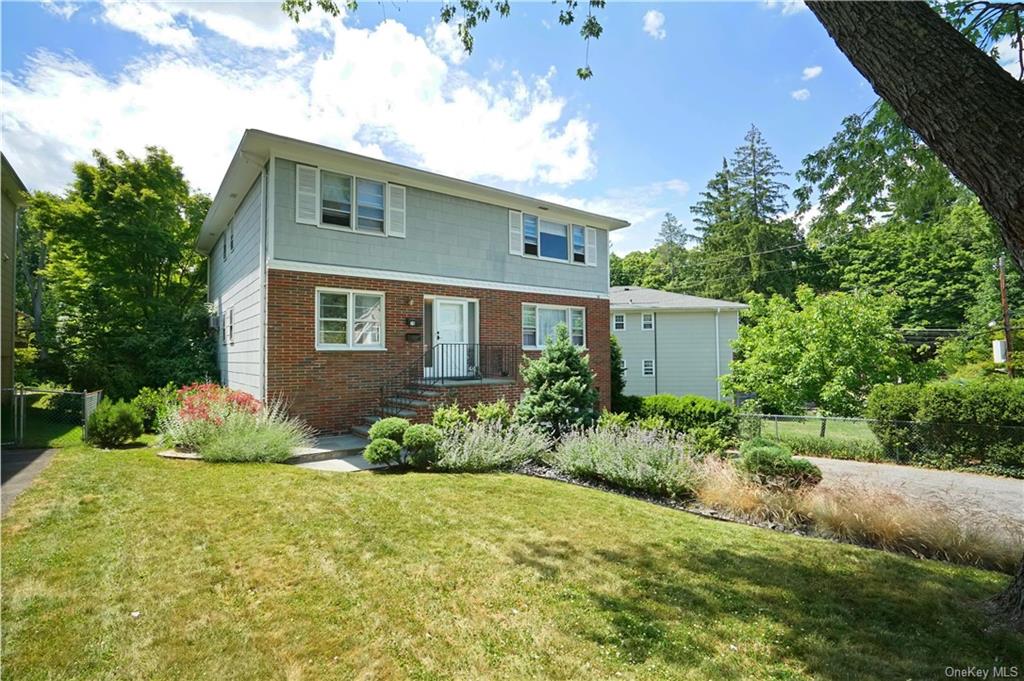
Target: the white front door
pixel 451 338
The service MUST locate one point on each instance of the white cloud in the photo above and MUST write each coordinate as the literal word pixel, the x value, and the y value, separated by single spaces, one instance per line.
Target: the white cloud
pixel 444 40
pixel 801 95
pixel 151 22
pixel 61 8
pixel 811 72
pixel 416 108
pixel 1008 56
pixel 787 7
pixel 654 24
pixel 643 206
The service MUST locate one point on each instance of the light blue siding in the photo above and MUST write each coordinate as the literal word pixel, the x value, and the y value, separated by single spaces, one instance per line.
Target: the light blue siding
pixel 683 347
pixel 446 236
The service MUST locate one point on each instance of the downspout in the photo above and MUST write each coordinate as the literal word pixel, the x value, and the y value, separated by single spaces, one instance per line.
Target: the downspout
pixel 657 360
pixel 263 283
pixel 718 358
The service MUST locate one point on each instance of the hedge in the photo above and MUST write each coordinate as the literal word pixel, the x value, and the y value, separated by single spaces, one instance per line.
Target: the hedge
pixel 686 412
pixel 952 424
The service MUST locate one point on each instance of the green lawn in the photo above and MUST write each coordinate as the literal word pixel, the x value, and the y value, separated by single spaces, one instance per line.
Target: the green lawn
pixel 835 430
pixel 43 427
pixel 267 571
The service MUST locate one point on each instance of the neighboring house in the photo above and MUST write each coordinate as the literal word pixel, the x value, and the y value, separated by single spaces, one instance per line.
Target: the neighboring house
pixel 352 287
pixel 673 343
pixel 12 189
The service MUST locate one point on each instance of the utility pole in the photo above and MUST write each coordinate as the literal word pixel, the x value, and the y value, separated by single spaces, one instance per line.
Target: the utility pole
pixel 1006 317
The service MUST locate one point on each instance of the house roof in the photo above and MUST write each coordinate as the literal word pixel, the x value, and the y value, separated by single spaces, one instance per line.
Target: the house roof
pixel 258 146
pixel 638 298
pixel 11 183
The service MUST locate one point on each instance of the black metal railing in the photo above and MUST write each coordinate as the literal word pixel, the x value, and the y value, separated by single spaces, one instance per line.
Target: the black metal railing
pixel 453 362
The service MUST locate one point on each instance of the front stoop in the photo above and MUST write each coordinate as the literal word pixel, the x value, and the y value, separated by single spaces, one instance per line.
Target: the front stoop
pixel 330 447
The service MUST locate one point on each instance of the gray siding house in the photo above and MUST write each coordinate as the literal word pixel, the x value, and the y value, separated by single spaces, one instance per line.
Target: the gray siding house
pixel 671 342
pixel 352 287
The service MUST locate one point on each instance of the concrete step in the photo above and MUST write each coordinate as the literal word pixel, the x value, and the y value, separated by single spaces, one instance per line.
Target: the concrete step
pixel 406 402
pixel 330 447
pixel 397 411
pixel 361 431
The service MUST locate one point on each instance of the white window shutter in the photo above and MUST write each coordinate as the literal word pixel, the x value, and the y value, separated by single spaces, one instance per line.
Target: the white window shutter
pixel 515 232
pixel 307 194
pixel 396 210
pixel 591 252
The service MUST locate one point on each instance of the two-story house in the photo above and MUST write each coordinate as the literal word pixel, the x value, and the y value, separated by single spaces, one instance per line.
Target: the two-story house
pixel 352 287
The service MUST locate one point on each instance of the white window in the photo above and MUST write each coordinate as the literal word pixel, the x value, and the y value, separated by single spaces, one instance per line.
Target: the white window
pixel 540 322
pixel 222 323
pixel 530 246
pixel 231 237
pixel 554 240
pixel 370 206
pixel 648 367
pixel 647 321
pixel 579 244
pixel 349 320
pixel 224 250
pixel 335 199
pixel 231 326
pixel 619 322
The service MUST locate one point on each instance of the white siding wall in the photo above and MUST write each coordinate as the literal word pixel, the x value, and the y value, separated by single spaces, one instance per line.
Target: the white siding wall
pixel 235 288
pixel 685 362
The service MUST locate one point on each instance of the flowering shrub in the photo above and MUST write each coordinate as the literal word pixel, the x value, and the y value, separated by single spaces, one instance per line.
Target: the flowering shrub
pixel 222 424
pixel 487 446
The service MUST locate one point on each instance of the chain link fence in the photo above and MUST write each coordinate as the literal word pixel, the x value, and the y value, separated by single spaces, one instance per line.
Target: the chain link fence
pixel 992 448
pixel 41 417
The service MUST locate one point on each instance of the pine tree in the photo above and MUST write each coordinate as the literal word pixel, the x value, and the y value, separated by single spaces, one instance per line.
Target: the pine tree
pixel 560 392
pixel 755 173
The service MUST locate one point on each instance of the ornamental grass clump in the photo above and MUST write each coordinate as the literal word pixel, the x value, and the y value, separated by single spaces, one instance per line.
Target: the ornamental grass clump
pixel 221 424
pixel 633 458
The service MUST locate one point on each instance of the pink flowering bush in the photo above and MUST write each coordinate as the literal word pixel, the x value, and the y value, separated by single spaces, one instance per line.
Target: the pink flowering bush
pixel 222 424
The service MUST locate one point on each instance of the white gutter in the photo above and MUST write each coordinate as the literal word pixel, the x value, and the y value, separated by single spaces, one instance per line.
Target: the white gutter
pixel 718 358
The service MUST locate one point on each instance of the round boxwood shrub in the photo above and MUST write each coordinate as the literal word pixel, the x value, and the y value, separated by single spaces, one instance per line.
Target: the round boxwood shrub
pixel 770 463
pixel 114 423
pixel 391 428
pixel 420 442
pixel 383 451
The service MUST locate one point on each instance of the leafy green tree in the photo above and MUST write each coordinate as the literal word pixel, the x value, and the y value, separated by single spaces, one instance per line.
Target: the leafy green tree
pixel 618 367
pixel 560 392
pixel 124 288
pixel 829 350
pixel 634 269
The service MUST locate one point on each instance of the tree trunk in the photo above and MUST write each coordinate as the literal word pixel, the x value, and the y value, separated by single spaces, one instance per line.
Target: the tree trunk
pixel 1010 603
pixel 967 109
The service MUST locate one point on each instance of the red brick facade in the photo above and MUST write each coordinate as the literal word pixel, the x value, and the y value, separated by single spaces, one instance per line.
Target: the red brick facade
pixel 333 390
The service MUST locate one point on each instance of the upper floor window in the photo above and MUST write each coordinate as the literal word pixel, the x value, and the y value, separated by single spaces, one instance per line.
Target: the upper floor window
pixel 370 206
pixel 579 244
pixel 540 322
pixel 530 234
pixel 554 240
pixel 648 367
pixel 335 199
pixel 647 321
pixel 619 322
pixel 349 320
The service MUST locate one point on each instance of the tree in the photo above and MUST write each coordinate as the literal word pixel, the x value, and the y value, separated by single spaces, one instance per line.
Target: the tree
pixel 967 109
pixel 829 350
pixel 124 292
pixel 560 392
pixel 618 367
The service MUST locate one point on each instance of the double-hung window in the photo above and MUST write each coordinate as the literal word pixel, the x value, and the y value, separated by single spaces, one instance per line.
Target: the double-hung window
pixel 619 322
pixel 647 321
pixel 579 244
pixel 349 320
pixel 335 199
pixel 530 234
pixel 648 367
pixel 370 206
pixel 540 322
pixel 554 240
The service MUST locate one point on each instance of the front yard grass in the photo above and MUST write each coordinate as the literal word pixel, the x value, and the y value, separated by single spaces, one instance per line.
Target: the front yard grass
pixel 268 571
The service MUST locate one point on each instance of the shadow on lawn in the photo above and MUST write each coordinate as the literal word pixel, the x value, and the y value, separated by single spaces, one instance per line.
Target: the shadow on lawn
pixel 876 616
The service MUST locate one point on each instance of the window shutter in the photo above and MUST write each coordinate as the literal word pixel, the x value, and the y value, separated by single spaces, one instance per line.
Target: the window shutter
pixel 307 194
pixel 396 210
pixel 515 232
pixel 591 252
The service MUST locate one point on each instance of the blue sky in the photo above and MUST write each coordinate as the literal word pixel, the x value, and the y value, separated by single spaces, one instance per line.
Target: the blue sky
pixel 675 88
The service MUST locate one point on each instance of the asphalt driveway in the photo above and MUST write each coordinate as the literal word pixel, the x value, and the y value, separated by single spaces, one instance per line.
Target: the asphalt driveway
pixel 999 496
pixel 18 468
